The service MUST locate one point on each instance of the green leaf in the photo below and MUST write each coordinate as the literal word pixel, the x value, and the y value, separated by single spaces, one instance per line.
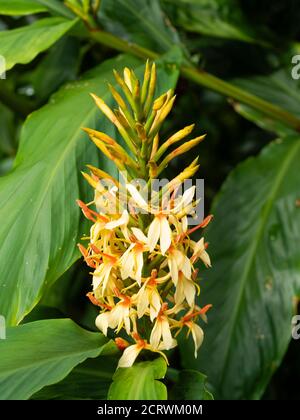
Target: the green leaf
pixel 191 385
pixel 217 18
pixel 278 88
pixel 22 45
pixel 7 132
pixel 57 7
pixel 140 21
pixel 90 381
pixel 254 245
pixel 58 67
pixel 44 352
pixel 42 221
pixel 20 7
pixel 139 382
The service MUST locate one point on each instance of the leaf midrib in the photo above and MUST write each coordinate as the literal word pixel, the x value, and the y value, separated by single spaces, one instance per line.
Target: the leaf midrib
pixel 251 258
pixel 58 358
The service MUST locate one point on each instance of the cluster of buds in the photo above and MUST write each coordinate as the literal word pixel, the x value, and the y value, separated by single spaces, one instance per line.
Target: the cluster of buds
pixel 144 277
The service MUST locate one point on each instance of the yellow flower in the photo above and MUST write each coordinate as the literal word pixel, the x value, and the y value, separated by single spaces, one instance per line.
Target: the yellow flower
pixel 104 272
pixel 178 261
pixel 124 248
pixel 200 252
pixel 185 289
pixel 131 262
pixel 131 353
pixel 197 334
pixel 161 330
pixel 117 317
pixel 159 229
pixel 148 298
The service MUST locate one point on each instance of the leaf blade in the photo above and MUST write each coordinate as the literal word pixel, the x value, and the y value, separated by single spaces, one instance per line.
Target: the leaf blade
pixel 20 7
pixel 58 345
pixel 249 327
pixel 22 45
pixel 141 382
pixel 39 238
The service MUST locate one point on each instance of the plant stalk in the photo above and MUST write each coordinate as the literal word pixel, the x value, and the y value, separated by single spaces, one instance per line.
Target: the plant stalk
pixel 202 78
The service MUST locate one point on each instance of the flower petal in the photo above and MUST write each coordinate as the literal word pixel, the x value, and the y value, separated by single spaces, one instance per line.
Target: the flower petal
pixel 156 334
pixel 123 220
pixel 166 334
pixel 129 356
pixel 140 236
pixel 198 336
pixel 185 199
pixel 165 235
pixel 102 322
pixel 153 233
pixel 137 197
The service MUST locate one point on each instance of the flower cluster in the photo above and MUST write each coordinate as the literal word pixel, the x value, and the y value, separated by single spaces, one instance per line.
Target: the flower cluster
pixel 145 279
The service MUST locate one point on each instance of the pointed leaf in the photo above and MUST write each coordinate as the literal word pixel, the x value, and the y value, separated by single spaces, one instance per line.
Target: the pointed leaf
pixel 22 45
pixel 254 245
pixel 20 7
pixel 44 352
pixel 139 382
pixel 42 221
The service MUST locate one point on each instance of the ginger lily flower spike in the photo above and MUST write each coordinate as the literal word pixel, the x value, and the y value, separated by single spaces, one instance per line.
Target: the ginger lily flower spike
pixel 144 277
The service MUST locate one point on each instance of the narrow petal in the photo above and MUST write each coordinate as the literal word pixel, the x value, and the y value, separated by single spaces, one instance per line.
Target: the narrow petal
pixel 186 267
pixel 139 267
pixel 173 269
pixel 156 334
pixel 155 305
pixel 198 336
pixel 162 345
pixel 205 258
pixel 137 197
pixel 185 199
pixel 179 292
pixel 102 322
pixel 95 231
pixel 189 292
pixel 143 301
pixel 166 334
pixel 123 220
pixel 129 356
pixel 165 235
pixel 140 236
pixel 153 233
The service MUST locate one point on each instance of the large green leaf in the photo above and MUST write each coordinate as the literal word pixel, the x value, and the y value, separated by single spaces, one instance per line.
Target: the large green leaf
pixel 191 385
pixel 254 244
pixel 139 382
pixel 140 21
pixel 218 18
pixel 89 380
pixel 59 66
pixel 279 89
pixel 42 221
pixel 44 352
pixel 20 7
pixel 22 45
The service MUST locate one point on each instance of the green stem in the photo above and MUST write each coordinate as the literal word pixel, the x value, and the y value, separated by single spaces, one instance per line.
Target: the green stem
pixel 14 102
pixel 112 41
pixel 212 82
pixel 202 78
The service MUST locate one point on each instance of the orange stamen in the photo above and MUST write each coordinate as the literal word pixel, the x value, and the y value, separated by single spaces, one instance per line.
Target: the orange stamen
pixel 192 315
pixel 85 255
pixel 121 343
